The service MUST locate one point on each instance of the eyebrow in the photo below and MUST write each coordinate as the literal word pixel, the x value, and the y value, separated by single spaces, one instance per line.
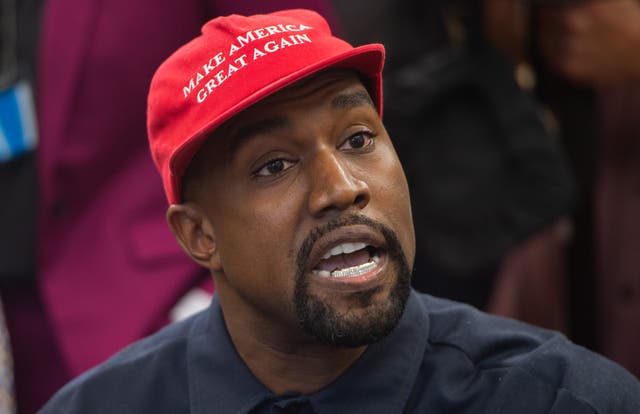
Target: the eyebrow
pixel 351 100
pixel 249 131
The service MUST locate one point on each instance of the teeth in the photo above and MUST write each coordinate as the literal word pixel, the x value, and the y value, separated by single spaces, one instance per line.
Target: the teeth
pixel 351 271
pixel 355 270
pixel 345 248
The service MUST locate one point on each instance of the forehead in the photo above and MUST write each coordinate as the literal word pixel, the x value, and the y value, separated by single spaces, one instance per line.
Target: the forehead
pixel 340 89
pixel 313 88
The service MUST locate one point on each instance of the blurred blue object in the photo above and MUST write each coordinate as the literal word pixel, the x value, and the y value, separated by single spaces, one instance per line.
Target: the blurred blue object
pixel 18 131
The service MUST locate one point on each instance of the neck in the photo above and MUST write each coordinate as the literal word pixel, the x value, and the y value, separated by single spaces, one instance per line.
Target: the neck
pixel 285 360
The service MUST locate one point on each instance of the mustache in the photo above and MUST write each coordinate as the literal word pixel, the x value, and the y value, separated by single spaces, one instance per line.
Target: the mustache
pixel 391 239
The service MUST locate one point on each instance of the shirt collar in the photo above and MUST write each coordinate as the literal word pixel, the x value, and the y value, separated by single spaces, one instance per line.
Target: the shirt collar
pixel 379 382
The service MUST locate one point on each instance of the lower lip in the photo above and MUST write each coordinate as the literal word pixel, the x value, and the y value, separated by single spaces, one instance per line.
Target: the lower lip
pixel 363 281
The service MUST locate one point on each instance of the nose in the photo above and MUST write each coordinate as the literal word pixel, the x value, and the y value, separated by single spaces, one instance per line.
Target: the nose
pixel 333 187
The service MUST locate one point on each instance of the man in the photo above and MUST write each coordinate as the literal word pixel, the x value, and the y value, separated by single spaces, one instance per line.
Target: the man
pixel 284 183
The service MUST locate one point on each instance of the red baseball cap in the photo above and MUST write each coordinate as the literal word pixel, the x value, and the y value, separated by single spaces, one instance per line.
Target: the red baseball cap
pixel 234 63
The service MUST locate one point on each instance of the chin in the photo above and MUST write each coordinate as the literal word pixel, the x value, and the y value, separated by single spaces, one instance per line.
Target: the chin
pixel 353 319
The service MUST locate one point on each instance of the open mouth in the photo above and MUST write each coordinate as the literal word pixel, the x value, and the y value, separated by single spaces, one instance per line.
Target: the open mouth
pixel 346 260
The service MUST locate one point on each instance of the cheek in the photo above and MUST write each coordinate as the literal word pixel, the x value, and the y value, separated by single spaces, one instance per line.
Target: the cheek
pixel 255 242
pixel 391 193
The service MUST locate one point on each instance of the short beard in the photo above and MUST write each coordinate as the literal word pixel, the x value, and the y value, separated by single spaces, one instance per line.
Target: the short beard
pixel 318 319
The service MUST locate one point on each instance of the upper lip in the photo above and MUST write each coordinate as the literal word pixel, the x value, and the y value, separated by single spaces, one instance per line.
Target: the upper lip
pixel 355 233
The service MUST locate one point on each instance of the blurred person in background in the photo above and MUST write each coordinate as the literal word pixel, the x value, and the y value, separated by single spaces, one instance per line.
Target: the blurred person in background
pixel 585 58
pixel 107 270
pixel 596 45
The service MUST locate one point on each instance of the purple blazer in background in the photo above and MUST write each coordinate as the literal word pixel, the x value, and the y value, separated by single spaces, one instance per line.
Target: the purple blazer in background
pixel 109 268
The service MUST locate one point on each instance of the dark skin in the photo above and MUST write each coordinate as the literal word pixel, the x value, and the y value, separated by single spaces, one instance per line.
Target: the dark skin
pixel 592 42
pixel 265 180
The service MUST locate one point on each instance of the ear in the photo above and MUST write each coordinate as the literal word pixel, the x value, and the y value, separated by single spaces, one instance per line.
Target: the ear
pixel 194 232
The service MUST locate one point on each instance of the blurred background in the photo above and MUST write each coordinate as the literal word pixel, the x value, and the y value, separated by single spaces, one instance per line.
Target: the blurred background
pixel 517 122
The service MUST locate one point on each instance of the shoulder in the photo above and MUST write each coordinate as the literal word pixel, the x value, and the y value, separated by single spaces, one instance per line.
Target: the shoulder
pixel 472 331
pixel 506 355
pixel 140 378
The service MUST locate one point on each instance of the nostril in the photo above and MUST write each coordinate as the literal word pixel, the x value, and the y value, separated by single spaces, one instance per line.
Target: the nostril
pixel 361 199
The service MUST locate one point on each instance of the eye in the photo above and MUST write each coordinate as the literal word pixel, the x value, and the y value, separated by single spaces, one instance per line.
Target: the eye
pixel 273 167
pixel 359 140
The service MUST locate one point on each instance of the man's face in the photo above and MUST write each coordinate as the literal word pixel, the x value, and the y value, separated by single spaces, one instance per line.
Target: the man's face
pixel 311 215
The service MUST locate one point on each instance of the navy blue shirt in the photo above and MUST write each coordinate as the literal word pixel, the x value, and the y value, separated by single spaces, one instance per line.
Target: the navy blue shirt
pixel 443 357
